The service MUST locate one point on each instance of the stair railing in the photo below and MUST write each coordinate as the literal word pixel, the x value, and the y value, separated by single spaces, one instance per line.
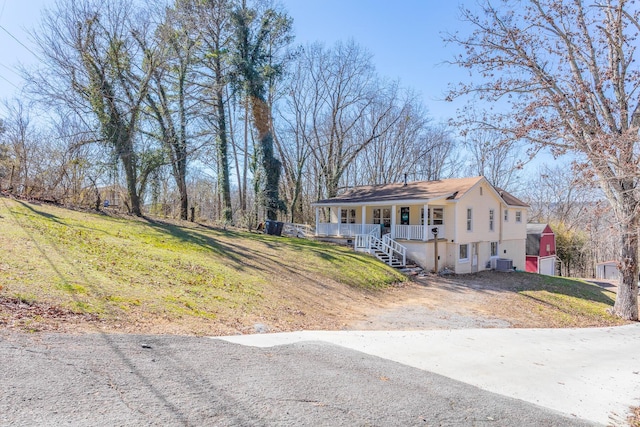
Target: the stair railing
pixel 396 247
pixel 368 242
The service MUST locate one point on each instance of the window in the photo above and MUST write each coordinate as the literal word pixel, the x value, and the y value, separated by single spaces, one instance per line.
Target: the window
pixel 464 253
pixel 548 248
pixel 348 216
pixel 518 216
pixel 468 219
pixel 382 216
pixel 494 248
pixel 506 214
pixel 386 217
pixel 491 216
pixel 435 216
pixel 438 216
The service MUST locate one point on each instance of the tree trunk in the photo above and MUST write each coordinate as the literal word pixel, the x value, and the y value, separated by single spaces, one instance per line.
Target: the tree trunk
pixel 128 161
pixel 245 161
pixel 223 157
pixel 181 148
pixel 270 165
pixel 626 305
pixel 182 189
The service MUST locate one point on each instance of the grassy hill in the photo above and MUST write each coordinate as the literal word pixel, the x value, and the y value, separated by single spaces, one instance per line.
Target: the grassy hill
pixel 75 271
pixel 125 273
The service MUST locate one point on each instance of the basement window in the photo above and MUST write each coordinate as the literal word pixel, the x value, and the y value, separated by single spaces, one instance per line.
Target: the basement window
pixel 463 255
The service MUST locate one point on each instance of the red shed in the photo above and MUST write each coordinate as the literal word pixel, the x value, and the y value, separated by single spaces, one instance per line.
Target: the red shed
pixel 541 249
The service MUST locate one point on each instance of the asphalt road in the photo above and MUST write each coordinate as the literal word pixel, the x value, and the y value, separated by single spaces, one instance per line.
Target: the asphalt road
pixel 129 380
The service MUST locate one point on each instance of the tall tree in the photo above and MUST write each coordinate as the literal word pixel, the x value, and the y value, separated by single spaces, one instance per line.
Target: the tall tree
pixel 339 107
pixel 5 160
pixel 96 60
pixel 210 19
pixel 168 97
pixel 259 35
pixel 571 80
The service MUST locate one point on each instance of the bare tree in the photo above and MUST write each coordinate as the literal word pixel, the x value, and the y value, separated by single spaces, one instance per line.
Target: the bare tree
pixel 170 98
pixel 210 22
pixel 497 160
pixel 571 79
pixel 413 148
pixel 340 107
pixel 5 160
pixel 578 214
pixel 21 144
pixel 96 60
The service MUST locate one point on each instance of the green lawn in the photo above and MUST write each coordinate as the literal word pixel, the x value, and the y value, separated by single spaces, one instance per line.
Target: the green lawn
pixel 119 267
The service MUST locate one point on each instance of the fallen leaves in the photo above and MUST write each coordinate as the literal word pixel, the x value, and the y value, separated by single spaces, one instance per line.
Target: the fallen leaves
pixel 17 312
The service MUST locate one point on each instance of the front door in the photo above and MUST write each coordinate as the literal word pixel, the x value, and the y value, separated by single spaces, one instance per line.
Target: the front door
pixel 404 216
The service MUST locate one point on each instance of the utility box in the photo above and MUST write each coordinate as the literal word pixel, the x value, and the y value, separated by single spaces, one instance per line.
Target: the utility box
pixel 504 264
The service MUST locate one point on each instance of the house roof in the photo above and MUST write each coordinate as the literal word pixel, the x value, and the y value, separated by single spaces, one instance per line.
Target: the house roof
pixel 450 189
pixel 510 199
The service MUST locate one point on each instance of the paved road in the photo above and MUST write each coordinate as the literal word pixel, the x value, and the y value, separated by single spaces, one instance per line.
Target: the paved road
pixel 129 380
pixel 591 373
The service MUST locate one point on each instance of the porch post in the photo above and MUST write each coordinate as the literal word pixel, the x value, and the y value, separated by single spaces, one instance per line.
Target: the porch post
pixel 339 220
pixel 393 221
pixel 425 226
pixel 317 219
pixel 364 219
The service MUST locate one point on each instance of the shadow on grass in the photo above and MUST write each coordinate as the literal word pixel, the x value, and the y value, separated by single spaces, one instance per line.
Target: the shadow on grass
pixel 521 282
pixel 46 215
pixel 240 256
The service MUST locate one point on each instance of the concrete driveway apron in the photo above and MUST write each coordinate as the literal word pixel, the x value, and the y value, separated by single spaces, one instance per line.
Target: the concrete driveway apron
pixel 590 373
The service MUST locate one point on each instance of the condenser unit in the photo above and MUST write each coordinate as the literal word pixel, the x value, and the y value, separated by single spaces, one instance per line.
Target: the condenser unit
pixel 503 264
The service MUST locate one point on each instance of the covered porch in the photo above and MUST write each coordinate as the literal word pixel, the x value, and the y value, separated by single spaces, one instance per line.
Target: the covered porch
pixel 406 222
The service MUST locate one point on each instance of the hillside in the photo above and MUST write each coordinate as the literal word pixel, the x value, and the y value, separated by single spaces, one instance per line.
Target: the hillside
pixel 70 270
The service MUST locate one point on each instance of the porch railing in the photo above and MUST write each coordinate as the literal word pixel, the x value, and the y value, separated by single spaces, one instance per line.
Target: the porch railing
pixel 297 230
pixel 345 230
pixel 402 232
pixel 409 232
pixel 416 232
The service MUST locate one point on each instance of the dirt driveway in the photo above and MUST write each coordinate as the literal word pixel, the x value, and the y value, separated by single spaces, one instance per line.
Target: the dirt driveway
pixel 484 300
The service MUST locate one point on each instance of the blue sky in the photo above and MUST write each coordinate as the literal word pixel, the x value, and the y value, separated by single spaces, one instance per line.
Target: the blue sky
pixel 403 36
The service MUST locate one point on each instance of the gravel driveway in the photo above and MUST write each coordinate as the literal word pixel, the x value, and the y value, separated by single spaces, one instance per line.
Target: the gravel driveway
pixel 134 380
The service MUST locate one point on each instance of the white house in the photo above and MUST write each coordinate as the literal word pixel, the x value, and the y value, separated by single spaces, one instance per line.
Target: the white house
pixel 464 224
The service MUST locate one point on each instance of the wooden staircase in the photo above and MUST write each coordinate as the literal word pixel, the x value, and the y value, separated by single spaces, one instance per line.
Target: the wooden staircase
pixel 386 249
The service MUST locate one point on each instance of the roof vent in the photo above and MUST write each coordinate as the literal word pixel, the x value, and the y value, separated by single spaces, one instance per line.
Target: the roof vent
pixel 405 179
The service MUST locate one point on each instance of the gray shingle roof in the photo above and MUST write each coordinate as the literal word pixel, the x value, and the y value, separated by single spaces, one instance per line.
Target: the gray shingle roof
pixel 451 189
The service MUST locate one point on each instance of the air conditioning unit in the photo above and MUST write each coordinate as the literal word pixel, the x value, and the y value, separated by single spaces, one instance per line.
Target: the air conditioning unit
pixel 503 264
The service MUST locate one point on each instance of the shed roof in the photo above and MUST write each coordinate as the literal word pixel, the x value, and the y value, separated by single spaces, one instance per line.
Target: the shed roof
pixel 533 228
